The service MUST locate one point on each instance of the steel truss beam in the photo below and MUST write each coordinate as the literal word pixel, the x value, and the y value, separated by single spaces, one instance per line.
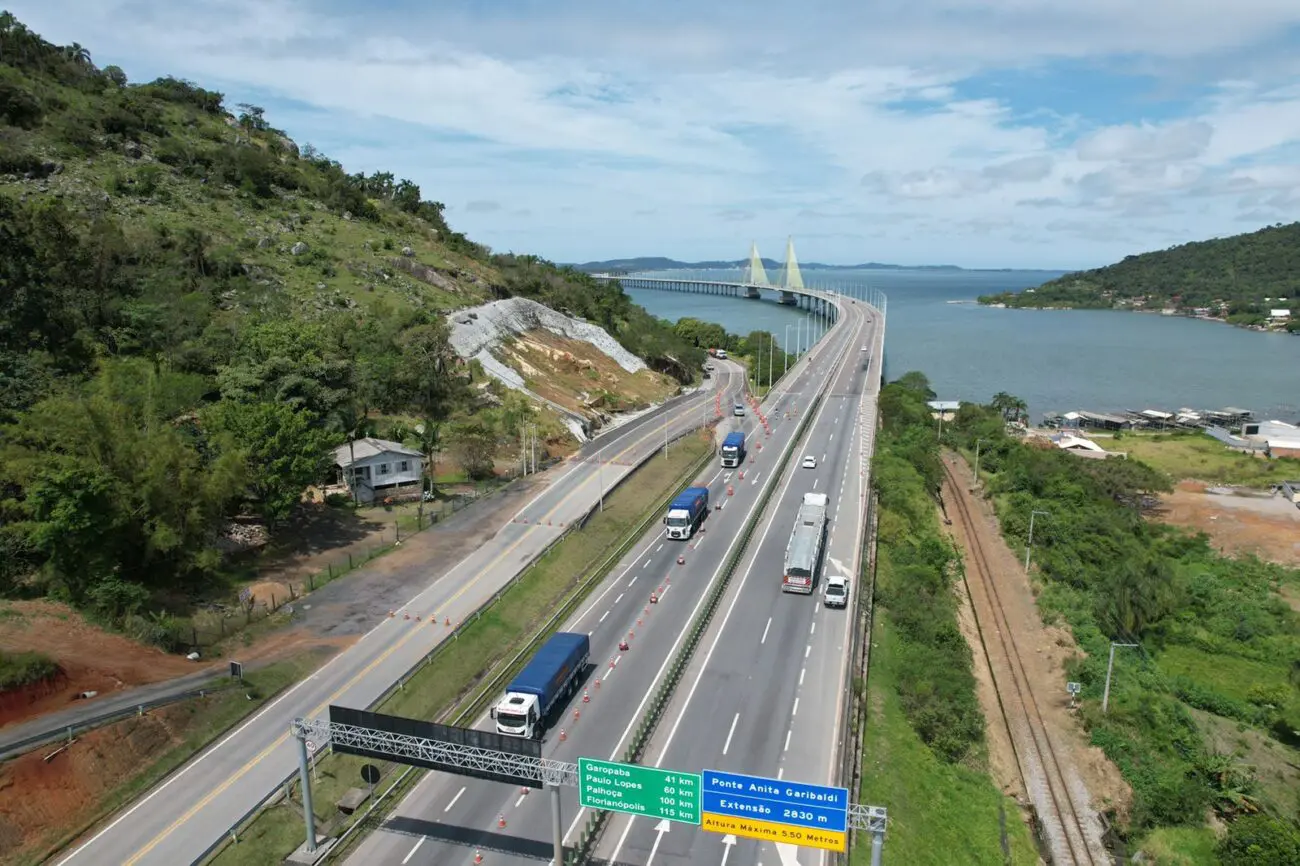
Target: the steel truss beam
pixel 551 772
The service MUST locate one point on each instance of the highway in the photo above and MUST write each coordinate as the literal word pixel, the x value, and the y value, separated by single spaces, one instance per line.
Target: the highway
pixel 180 820
pixel 449 819
pixel 763 697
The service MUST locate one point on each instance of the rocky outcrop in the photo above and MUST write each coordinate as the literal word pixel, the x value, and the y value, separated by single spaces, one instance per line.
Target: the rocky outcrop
pixel 485 327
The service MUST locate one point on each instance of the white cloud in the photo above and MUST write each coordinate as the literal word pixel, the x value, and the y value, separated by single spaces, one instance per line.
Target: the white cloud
pixel 674 128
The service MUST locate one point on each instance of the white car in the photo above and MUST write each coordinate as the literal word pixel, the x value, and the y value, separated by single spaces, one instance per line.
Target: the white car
pixel 864 348
pixel 836 593
pixel 810 462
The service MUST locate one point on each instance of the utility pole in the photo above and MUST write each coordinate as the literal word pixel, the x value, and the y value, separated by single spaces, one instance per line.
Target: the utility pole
pixel 665 435
pixel 304 778
pixel 600 470
pixel 785 354
pixel 771 350
pixel 1110 665
pixel 557 829
pixel 1030 546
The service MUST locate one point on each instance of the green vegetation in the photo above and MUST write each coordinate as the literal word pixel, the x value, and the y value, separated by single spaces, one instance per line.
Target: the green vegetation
pixel 193 310
pixel 1205 715
pixel 1233 277
pixel 496 636
pixel 198 722
pixel 24 669
pixel 924 747
pixel 1192 454
pixel 753 349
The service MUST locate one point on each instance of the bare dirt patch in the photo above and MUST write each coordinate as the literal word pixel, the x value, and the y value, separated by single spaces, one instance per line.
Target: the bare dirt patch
pixel 575 375
pixel 1042 651
pixel 1265 526
pixel 90 658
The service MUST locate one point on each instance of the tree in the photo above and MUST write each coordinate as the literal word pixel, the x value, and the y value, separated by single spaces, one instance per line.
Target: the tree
pixel 475 445
pixel 428 436
pixel 115 76
pixel 1260 840
pixel 1010 407
pixel 426 373
pixel 283 449
pixel 252 117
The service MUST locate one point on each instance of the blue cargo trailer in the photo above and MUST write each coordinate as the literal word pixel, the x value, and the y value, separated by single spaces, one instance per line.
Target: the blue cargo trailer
pixel 686 512
pixel 550 676
pixel 733 450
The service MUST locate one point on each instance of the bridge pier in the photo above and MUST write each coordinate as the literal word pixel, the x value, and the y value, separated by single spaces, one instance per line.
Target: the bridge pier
pixel 753 292
pixel 789 298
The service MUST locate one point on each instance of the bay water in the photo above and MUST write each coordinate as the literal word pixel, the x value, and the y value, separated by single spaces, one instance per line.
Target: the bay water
pixel 1054 360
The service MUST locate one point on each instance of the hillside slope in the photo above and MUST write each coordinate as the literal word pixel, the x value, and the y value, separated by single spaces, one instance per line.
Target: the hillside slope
pixel 1239 278
pixel 194 310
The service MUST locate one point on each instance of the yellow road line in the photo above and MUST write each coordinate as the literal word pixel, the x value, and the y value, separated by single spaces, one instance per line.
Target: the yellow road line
pixel 364 672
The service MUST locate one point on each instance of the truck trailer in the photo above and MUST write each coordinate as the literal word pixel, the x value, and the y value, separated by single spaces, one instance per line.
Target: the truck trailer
pixel 545 682
pixel 686 512
pixel 803 553
pixel 733 450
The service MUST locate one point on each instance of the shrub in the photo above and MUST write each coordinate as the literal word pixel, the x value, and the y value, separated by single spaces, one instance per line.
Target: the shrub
pixel 24 669
pixel 1260 840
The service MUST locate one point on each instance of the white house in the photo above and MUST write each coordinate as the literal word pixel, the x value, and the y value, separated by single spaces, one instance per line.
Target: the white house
pixel 1265 430
pixel 1279 315
pixel 372 464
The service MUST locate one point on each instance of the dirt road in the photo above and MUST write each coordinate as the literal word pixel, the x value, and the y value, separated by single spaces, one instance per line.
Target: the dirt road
pixel 1067 782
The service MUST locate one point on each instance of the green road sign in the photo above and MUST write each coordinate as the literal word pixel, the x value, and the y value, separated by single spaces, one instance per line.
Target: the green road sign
pixel 639 790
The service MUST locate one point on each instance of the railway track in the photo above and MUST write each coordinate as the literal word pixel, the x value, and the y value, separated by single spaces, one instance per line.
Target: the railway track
pixel 1065 827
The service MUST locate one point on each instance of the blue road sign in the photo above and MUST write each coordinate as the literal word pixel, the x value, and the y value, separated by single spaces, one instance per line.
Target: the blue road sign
pixel 775 801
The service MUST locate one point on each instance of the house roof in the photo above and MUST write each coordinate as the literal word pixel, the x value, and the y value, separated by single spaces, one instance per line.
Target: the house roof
pixel 361 449
pixel 1285 444
pixel 944 405
pixel 1067 442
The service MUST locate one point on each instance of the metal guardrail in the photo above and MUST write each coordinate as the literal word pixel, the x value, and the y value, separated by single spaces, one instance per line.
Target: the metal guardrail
pixel 273 796
pixel 68 733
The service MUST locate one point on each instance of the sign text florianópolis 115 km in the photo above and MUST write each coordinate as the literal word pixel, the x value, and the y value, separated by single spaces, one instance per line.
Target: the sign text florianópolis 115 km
pixel 639 790
pixel 774 810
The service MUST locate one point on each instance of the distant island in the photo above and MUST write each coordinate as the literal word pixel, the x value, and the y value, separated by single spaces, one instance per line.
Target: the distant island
pixel 1250 280
pixel 661 263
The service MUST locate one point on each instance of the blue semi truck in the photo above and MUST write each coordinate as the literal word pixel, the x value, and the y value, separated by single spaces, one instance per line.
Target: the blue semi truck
pixel 733 450
pixel 546 681
pixel 686 512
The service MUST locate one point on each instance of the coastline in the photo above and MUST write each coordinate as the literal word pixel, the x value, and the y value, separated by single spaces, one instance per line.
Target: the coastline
pixel 1261 329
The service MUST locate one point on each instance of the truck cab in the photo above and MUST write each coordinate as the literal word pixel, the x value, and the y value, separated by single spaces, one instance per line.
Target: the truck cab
pixel 517 715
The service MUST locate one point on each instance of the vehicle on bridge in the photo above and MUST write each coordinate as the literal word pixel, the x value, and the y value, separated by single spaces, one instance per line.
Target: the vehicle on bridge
pixel 551 677
pixel 803 553
pixel 733 450
pixel 739 410
pixel 686 512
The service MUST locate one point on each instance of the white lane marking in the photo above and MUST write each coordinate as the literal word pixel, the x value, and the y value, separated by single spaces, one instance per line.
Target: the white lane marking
pixel 813 630
pixel 647 564
pixel 727 744
pixel 832 437
pixel 780 771
pixel 659 548
pixel 787 740
pixel 817 607
pixel 609 672
pixel 807 650
pixel 454 799
pixel 815 480
pixel 633 580
pixel 763 639
pixel 802 671
pixel 795 711
pixel 602 617
pixel 520 801
pixel 408 857
pixel 620 597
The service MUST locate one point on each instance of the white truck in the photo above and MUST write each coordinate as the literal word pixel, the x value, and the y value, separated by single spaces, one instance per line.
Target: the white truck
pixel 804 552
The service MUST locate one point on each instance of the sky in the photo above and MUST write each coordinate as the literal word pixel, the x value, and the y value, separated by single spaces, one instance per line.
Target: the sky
pixel 981 133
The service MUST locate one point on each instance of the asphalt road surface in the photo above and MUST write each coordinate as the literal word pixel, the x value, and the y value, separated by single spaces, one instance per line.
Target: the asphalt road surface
pixel 183 817
pixel 449 819
pixel 764 696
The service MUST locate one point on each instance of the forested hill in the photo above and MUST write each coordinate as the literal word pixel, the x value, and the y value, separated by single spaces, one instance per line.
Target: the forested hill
pixel 194 310
pixel 1240 277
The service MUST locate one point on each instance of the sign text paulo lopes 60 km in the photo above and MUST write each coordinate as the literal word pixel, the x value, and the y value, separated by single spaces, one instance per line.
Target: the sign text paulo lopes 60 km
pixel 776 811
pixel 639 790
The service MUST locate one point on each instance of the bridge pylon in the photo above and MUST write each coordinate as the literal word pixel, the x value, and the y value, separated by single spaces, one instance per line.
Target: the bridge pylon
pixel 791 278
pixel 754 273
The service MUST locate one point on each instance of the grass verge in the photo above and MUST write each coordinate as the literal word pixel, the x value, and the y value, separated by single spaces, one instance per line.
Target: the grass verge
pixel 192 726
pixel 935 808
pixel 494 637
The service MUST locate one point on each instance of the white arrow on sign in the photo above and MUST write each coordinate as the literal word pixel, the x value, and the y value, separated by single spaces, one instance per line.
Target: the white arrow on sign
pixel 835 562
pixel 789 854
pixel 660 829
pixel 727 840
